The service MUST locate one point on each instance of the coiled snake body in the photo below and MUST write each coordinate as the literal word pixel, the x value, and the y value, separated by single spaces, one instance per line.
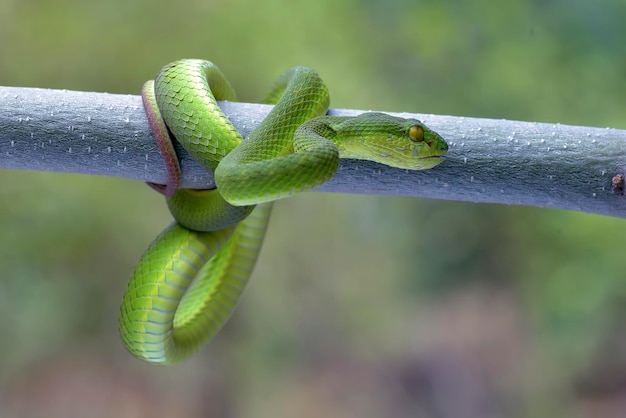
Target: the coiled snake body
pixel 190 278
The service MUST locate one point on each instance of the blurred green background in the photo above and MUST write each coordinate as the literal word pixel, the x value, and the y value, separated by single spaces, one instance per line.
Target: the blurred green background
pixel 360 306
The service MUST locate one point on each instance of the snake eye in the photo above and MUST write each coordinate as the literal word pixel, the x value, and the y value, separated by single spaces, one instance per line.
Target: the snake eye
pixel 416 133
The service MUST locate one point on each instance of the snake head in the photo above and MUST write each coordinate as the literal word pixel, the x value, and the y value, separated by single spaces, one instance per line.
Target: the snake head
pixel 396 142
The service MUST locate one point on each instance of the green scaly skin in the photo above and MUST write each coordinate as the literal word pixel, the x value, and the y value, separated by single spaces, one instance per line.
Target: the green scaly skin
pixel 189 280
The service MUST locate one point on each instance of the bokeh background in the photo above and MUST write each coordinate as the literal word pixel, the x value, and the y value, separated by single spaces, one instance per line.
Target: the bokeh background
pixel 360 306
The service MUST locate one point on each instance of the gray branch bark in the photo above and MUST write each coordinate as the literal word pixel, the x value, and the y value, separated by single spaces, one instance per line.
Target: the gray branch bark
pixel 497 161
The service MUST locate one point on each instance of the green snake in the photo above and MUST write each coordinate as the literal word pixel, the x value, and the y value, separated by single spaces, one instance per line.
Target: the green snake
pixel 189 280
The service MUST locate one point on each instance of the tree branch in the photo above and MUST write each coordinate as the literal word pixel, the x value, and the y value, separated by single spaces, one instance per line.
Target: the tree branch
pixel 498 161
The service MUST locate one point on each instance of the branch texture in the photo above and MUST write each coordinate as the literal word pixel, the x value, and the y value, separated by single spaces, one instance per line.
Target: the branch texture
pixel 496 161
